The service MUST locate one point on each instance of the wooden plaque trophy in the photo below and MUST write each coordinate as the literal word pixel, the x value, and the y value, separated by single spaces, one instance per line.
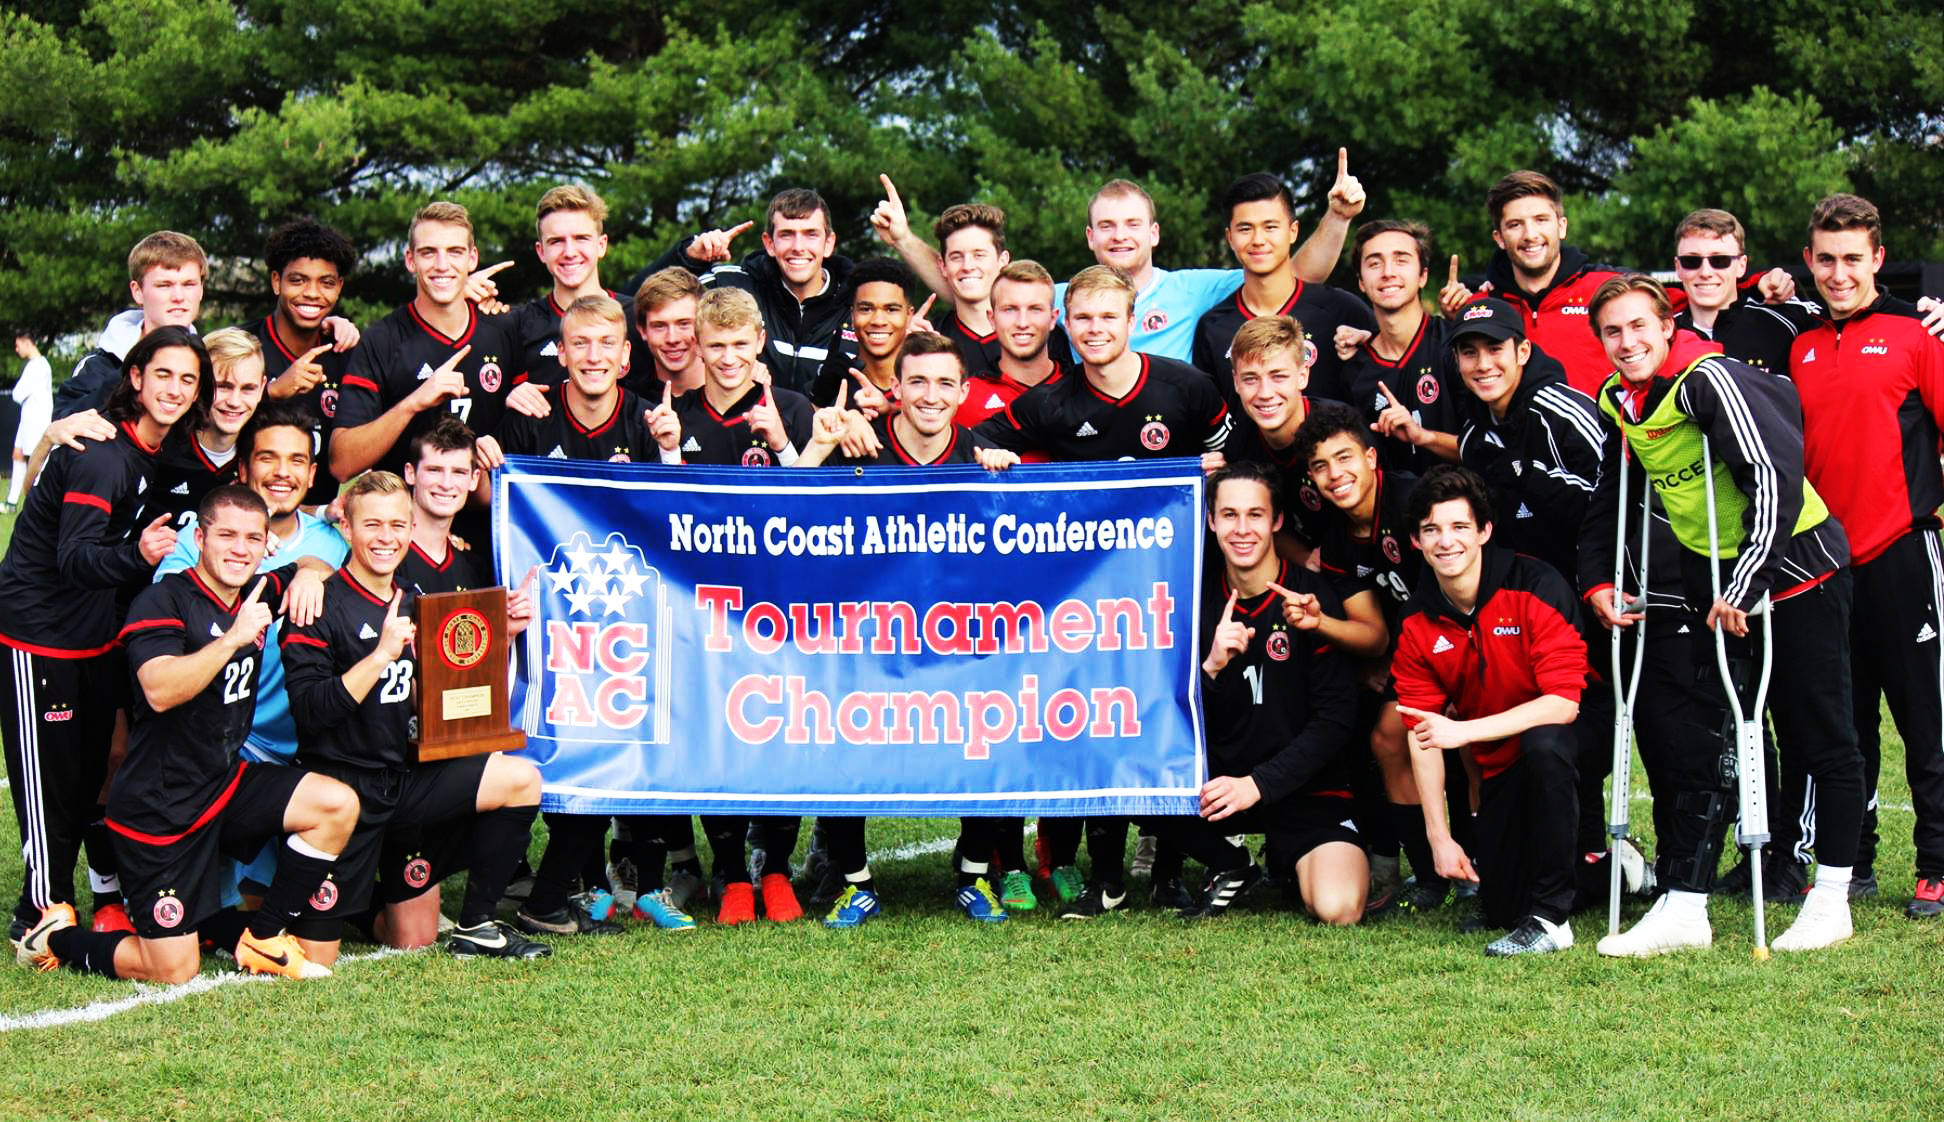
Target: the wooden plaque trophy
pixel 462 644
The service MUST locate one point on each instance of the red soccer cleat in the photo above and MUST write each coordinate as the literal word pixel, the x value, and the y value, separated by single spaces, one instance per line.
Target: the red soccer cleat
pixel 738 904
pixel 113 917
pixel 779 899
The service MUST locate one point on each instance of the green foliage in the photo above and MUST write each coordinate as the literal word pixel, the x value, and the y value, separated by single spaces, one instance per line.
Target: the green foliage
pixel 224 117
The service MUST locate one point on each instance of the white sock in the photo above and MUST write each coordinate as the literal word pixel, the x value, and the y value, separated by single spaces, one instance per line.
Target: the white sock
pixel 1689 905
pixel 861 876
pixel 17 483
pixel 1832 880
pixel 1552 928
pixel 103 884
pixel 299 845
pixel 974 868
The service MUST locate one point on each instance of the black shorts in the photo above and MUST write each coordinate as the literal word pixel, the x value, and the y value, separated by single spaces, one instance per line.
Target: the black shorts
pixel 395 805
pixel 173 884
pixel 1298 825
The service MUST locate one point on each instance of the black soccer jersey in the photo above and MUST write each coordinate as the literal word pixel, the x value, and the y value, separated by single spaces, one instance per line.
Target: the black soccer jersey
pixel 724 439
pixel 1302 503
pixel 332 728
pixel 181 760
pixel 623 437
pixel 1387 560
pixel 1319 308
pixel 537 323
pixel 402 350
pixel 320 400
pixel 185 473
pixel 1281 711
pixel 895 454
pixel 76 547
pixel 1423 379
pixel 461 570
pixel 1757 333
pixel 1173 410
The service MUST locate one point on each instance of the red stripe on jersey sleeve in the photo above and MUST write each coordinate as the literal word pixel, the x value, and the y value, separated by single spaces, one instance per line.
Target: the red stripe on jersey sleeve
pixel 307 641
pixel 135 625
pixel 86 499
pixel 361 382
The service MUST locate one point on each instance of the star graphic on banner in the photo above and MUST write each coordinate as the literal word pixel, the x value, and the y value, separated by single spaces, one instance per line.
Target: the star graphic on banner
pixel 598 580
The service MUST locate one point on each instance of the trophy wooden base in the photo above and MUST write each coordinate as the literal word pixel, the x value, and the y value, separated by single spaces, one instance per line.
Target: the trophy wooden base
pixel 510 741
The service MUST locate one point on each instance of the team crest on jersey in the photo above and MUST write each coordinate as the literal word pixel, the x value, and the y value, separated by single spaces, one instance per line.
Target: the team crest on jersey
pixel 620 458
pixel 601 663
pixel 1427 389
pixel 327 403
pixel 326 896
pixel 757 456
pixel 1154 435
pixel 168 912
pixel 1309 351
pixel 1278 645
pixel 1310 496
pixel 418 872
pixel 1154 320
pixel 1391 551
pixel 489 376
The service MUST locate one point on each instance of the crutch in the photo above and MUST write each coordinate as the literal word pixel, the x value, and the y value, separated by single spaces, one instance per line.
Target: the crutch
pixel 1751 827
pixel 1625 689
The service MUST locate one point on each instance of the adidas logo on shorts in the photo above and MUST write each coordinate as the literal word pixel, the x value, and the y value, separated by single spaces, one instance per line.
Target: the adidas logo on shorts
pixel 1926 633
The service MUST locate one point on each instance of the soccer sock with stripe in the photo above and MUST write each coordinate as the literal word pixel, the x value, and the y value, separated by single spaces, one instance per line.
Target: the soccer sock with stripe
pixel 301 867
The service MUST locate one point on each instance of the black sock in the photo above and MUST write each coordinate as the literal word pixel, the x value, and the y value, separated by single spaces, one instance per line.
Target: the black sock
pixel 499 838
pixel 779 844
pixel 90 952
pixel 225 929
pixel 1168 862
pixel 726 847
pixel 1010 842
pixel 1107 849
pixel 1062 838
pixel 1408 823
pixel 298 875
pixel 571 840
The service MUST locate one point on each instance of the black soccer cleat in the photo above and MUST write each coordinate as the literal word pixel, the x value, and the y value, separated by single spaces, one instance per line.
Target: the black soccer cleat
pixel 1169 894
pixel 1530 937
pixel 570 920
pixel 1423 895
pixel 493 939
pixel 1094 903
pixel 1223 890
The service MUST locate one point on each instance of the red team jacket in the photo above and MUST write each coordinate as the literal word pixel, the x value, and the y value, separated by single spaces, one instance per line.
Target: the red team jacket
pixel 1518 644
pixel 1872 392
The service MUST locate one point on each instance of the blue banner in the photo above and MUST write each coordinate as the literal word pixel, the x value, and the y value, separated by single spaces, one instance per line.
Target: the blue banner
pixel 896 641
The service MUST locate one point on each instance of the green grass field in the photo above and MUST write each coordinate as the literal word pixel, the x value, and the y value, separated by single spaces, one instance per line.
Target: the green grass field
pixel 924 1015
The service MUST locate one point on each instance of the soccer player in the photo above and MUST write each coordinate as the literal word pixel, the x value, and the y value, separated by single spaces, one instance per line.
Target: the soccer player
pixel 194 461
pixel 1490 638
pixel 308 264
pixel 183 798
pixel 732 420
pixel 572 240
pixel 436 356
pixel 800 283
pixel 165 279
pixel 1123 405
pixel 1402 375
pixel 1262 233
pixel 1669 393
pixel 867 349
pixel 972 249
pixel 34 393
pixel 350 679
pixel 664 310
pixel 1270 380
pixel 1872 386
pixel 1023 315
pixel 1122 232
pixel 930 386
pixel 1281 701
pixel 84 540
pixel 597 420
pixel 1710 262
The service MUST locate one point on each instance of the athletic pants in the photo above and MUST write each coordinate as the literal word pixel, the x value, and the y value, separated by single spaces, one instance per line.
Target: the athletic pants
pixel 1895 647
pixel 57 734
pixel 1523 836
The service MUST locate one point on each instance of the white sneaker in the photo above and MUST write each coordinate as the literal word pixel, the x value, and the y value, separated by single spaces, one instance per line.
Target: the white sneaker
pixel 1661 930
pixel 1823 922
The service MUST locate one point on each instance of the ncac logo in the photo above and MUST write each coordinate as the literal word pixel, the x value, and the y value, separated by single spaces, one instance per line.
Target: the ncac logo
pixel 601 606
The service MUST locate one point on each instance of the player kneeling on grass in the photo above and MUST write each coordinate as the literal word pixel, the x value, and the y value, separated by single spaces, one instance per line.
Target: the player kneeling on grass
pixel 1281 702
pixel 1489 660
pixel 930 385
pixel 350 679
pixel 183 802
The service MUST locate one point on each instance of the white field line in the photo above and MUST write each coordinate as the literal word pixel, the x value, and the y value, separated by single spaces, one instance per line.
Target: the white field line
pixel 145 995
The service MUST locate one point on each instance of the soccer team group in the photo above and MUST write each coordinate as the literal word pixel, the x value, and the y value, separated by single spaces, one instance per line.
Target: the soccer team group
pixel 1428 527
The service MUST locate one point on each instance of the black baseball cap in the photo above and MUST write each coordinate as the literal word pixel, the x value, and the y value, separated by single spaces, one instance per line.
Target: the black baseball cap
pixel 1491 317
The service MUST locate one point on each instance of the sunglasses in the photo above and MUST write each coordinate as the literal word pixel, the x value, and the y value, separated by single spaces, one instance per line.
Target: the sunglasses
pixel 1714 260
